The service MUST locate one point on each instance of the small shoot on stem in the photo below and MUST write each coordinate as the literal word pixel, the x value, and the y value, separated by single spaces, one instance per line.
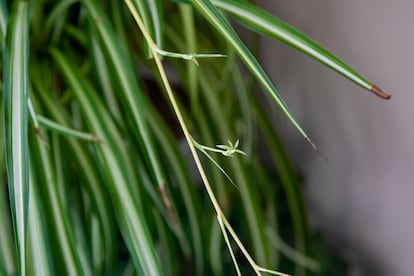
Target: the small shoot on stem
pixel 230 149
pixel 190 57
pixel 226 150
pixel 193 145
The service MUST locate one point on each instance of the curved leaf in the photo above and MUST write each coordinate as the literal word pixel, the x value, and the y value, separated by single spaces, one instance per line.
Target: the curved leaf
pixel 210 13
pixel 151 13
pixel 65 250
pixel 126 82
pixel 100 200
pixel 263 22
pixel 3 23
pixel 131 218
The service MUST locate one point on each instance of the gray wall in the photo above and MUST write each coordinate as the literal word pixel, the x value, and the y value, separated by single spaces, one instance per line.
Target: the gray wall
pixel 363 200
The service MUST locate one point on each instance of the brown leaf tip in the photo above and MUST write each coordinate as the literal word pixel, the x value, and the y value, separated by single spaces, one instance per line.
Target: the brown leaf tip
pixel 40 136
pixel 168 205
pixel 96 139
pixel 377 91
pixel 316 149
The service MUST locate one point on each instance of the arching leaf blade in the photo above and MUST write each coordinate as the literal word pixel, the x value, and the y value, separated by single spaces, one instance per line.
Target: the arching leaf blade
pixel 265 23
pixel 211 14
pixel 131 219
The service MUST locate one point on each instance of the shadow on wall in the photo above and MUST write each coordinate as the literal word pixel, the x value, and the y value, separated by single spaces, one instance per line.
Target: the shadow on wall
pixel 363 201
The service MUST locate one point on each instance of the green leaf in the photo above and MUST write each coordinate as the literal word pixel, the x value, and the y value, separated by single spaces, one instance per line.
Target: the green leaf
pixel 131 218
pixel 62 234
pixel 58 128
pixel 8 264
pixel 239 170
pixel 39 255
pixel 181 172
pixel 16 91
pixel 3 23
pixel 151 13
pixel 263 22
pixel 126 83
pixel 289 178
pixel 7 249
pixel 211 14
pixel 104 77
pixel 93 183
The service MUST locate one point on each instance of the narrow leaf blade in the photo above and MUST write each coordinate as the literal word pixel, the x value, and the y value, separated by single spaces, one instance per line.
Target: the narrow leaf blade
pixel 131 218
pixel 210 13
pixel 16 123
pixel 263 22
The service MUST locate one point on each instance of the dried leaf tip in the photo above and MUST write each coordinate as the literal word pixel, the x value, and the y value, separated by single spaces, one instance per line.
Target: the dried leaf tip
pixel 316 149
pixel 168 205
pixel 96 139
pixel 377 91
pixel 40 136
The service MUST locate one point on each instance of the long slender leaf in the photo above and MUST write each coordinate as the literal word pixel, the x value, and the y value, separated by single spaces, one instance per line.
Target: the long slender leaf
pixel 16 118
pixel 215 242
pixel 7 248
pixel 261 21
pixel 177 164
pixel 58 128
pixel 102 208
pixel 132 222
pixel 156 13
pixel 198 117
pixel 151 13
pixel 8 264
pixel 56 18
pixel 122 72
pixel 247 193
pixel 288 177
pixel 166 251
pixel 39 254
pixel 3 24
pixel 92 181
pixel 103 74
pixel 64 247
pixel 210 13
pixel 187 17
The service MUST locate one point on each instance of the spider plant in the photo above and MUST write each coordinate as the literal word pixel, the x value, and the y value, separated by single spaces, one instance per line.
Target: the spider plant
pixel 130 142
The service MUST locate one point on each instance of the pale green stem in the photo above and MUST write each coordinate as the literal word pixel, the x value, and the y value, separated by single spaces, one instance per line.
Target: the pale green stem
pixel 191 57
pixel 191 145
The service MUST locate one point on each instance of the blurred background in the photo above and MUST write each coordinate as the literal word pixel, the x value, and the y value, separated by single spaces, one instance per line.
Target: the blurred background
pixel 363 200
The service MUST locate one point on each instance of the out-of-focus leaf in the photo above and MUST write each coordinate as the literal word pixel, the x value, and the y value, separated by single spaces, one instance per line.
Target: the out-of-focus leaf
pixel 64 244
pixel 7 249
pixel 151 13
pixel 93 183
pixel 39 252
pixel 131 218
pixel 126 83
pixel 3 24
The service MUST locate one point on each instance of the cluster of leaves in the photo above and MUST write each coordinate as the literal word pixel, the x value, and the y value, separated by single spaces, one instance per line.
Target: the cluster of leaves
pixel 116 194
